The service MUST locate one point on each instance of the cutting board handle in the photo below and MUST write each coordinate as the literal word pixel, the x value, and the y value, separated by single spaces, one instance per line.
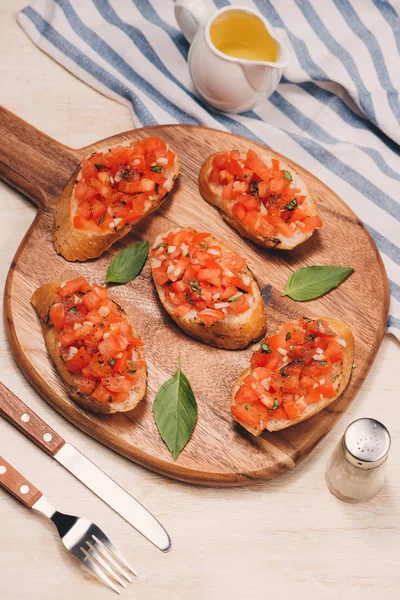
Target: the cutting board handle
pixel 33 162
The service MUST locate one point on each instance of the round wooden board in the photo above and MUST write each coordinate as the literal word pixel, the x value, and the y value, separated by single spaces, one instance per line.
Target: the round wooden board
pixel 220 452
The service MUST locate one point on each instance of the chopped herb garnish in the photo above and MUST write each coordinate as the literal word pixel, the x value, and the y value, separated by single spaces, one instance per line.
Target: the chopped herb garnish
pixel 283 373
pixel 234 297
pixel 110 398
pixel 204 245
pixel 156 188
pixel 194 285
pixel 323 363
pixel 287 337
pixel 310 338
pixel 163 245
pixel 102 324
pixel 73 309
pixel 188 298
pixel 253 188
pixel 131 372
pixel 287 175
pixel 247 406
pixel 265 348
pixel 132 364
pixel 111 361
pixel 102 220
pixel 275 405
pixel 123 202
pixel 156 168
pixel 98 167
pixel 291 205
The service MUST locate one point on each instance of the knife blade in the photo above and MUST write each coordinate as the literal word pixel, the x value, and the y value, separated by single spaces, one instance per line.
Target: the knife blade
pixel 23 418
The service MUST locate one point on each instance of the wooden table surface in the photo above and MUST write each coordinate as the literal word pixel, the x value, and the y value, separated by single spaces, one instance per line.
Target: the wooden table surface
pixel 281 539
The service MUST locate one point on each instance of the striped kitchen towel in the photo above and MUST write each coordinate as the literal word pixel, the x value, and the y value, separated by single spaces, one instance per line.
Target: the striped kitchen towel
pixel 336 111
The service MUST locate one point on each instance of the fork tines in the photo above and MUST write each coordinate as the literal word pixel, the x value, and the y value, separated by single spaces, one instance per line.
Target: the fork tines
pixel 106 562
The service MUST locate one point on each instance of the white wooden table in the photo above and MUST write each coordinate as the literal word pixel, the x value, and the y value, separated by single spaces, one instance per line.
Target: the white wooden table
pixel 289 538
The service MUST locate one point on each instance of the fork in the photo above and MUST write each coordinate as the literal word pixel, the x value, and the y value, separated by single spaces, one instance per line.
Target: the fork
pixel 82 538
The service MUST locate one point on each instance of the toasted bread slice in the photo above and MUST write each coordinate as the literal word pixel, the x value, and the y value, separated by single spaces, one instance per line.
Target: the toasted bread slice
pixel 233 331
pixel 212 193
pixel 42 300
pixel 340 377
pixel 82 244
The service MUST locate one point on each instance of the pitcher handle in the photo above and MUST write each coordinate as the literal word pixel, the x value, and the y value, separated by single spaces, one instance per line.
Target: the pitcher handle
pixel 190 14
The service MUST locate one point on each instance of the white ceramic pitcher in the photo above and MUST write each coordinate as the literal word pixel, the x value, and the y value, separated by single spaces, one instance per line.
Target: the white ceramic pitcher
pixel 228 83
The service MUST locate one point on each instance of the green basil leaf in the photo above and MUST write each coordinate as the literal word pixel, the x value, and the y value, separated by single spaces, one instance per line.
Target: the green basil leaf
pixel 156 168
pixel 265 348
pixel 175 412
pixel 128 263
pixel 287 175
pixel 312 282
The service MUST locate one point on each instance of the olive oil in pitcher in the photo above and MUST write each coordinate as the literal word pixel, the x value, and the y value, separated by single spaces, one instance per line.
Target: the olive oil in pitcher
pixel 240 34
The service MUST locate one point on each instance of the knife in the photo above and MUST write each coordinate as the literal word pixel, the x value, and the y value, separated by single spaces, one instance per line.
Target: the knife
pixel 24 419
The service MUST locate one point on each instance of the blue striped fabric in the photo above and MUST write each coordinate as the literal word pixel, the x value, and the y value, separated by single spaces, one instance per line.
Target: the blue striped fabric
pixel 336 111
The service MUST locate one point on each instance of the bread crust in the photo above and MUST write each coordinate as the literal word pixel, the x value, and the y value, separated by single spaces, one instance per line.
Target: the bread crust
pixel 80 244
pixel 342 372
pixel 212 193
pixel 42 300
pixel 230 333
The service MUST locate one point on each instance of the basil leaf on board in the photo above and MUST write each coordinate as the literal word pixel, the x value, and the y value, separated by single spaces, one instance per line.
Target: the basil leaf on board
pixel 312 282
pixel 128 263
pixel 175 412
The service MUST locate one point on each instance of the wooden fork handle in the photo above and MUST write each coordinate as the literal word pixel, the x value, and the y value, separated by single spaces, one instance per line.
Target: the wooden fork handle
pixel 24 419
pixel 17 485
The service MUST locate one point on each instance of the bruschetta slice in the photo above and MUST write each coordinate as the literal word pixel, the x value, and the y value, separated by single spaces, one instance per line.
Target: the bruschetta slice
pixel 94 347
pixel 111 192
pixel 207 289
pixel 294 375
pixel 263 198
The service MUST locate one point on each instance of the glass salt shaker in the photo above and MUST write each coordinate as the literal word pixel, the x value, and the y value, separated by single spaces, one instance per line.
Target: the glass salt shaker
pixel 356 470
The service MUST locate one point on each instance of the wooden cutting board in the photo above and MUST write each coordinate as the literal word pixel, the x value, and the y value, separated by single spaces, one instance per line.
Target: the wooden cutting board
pixel 220 451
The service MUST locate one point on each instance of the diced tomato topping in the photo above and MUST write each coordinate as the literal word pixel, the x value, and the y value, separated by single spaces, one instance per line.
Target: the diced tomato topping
pixel 254 415
pixel 116 184
pixel 292 368
pixel 266 201
pixel 79 361
pixel 96 342
pixel 57 315
pixel 196 273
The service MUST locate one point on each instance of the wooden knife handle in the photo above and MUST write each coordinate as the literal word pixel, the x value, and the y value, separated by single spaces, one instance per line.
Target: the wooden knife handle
pixel 17 485
pixel 33 162
pixel 24 419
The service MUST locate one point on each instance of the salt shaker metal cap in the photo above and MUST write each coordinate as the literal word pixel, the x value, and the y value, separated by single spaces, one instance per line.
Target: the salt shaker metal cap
pixel 366 443
pixel 356 470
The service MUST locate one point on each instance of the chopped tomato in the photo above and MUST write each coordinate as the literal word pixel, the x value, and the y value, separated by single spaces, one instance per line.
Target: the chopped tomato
pixel 72 286
pixel 334 351
pixel 254 415
pixel 294 409
pixel 79 361
pixel 101 394
pixel 91 300
pixel 240 306
pixel 210 316
pixel 57 315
